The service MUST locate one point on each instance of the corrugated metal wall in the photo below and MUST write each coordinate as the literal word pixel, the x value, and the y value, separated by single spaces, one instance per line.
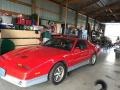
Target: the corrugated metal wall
pixel 26 1
pixel 70 16
pixel 48 10
pixel 14 7
pixel 81 20
pixel 45 9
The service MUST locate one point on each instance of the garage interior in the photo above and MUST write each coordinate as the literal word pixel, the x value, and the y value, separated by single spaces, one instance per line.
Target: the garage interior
pixel 22 22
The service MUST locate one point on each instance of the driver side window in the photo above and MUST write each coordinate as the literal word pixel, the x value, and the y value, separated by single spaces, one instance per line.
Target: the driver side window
pixel 81 44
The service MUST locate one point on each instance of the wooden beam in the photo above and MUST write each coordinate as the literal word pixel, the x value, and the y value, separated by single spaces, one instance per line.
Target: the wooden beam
pixel 33 6
pixel 54 1
pixel 113 5
pixel 73 1
pixel 76 19
pixel 105 18
pixel 66 15
pixel 111 11
pixel 88 4
pixel 86 24
pixel 102 13
pixel 20 2
pixel 94 24
pixel 116 10
pixel 10 12
pixel 117 14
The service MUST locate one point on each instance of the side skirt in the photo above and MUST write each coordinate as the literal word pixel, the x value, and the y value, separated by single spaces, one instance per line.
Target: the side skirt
pixel 78 65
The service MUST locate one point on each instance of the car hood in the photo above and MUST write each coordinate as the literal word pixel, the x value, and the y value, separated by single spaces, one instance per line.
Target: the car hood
pixel 33 56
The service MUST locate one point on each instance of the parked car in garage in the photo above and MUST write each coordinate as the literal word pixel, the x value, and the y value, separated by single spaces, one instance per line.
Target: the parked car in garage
pixel 51 61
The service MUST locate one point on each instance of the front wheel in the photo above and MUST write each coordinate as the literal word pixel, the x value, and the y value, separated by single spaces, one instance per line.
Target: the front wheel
pixel 93 59
pixel 58 73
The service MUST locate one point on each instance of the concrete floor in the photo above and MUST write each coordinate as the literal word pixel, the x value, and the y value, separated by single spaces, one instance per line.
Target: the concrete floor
pixel 107 68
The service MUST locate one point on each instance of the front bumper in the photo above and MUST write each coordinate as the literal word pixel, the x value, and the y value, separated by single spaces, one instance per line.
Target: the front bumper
pixel 25 83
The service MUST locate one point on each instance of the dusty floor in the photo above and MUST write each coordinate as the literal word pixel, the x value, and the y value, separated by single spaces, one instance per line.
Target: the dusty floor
pixel 107 68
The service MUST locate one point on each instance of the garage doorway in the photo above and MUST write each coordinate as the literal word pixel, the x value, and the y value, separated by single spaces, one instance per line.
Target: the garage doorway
pixel 112 30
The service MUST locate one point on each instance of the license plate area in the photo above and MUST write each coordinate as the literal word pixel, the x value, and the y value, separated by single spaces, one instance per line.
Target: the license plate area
pixel 2 72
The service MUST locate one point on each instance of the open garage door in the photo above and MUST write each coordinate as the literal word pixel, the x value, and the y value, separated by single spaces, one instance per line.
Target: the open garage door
pixel 112 31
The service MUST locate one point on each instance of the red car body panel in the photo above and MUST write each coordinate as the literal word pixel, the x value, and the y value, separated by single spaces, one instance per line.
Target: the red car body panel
pixel 31 62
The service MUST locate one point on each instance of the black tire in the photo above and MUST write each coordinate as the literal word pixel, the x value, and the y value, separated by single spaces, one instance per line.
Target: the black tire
pixel 93 59
pixel 52 73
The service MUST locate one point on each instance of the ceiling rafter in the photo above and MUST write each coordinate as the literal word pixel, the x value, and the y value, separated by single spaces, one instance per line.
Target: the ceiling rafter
pixel 73 1
pixel 111 11
pixel 89 4
pixel 117 14
pixel 103 8
pixel 106 18
pixel 103 11
pixel 114 11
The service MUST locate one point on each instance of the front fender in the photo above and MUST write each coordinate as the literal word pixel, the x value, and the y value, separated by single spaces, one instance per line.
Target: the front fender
pixel 40 70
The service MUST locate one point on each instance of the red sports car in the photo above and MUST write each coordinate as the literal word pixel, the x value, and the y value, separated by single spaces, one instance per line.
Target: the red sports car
pixel 51 61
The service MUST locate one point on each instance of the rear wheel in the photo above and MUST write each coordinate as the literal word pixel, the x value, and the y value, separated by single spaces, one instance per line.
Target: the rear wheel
pixel 93 59
pixel 58 73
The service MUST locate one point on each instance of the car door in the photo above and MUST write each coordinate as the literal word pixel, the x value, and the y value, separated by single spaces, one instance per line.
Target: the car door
pixel 74 55
pixel 80 52
pixel 84 50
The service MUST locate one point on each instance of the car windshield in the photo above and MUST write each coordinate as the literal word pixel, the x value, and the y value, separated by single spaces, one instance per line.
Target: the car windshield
pixel 60 43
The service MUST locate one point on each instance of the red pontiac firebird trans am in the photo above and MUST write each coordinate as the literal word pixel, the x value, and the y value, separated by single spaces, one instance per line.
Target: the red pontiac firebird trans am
pixel 32 65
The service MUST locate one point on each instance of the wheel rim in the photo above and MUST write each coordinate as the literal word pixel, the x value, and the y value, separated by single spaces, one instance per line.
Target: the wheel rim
pixel 93 59
pixel 59 74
